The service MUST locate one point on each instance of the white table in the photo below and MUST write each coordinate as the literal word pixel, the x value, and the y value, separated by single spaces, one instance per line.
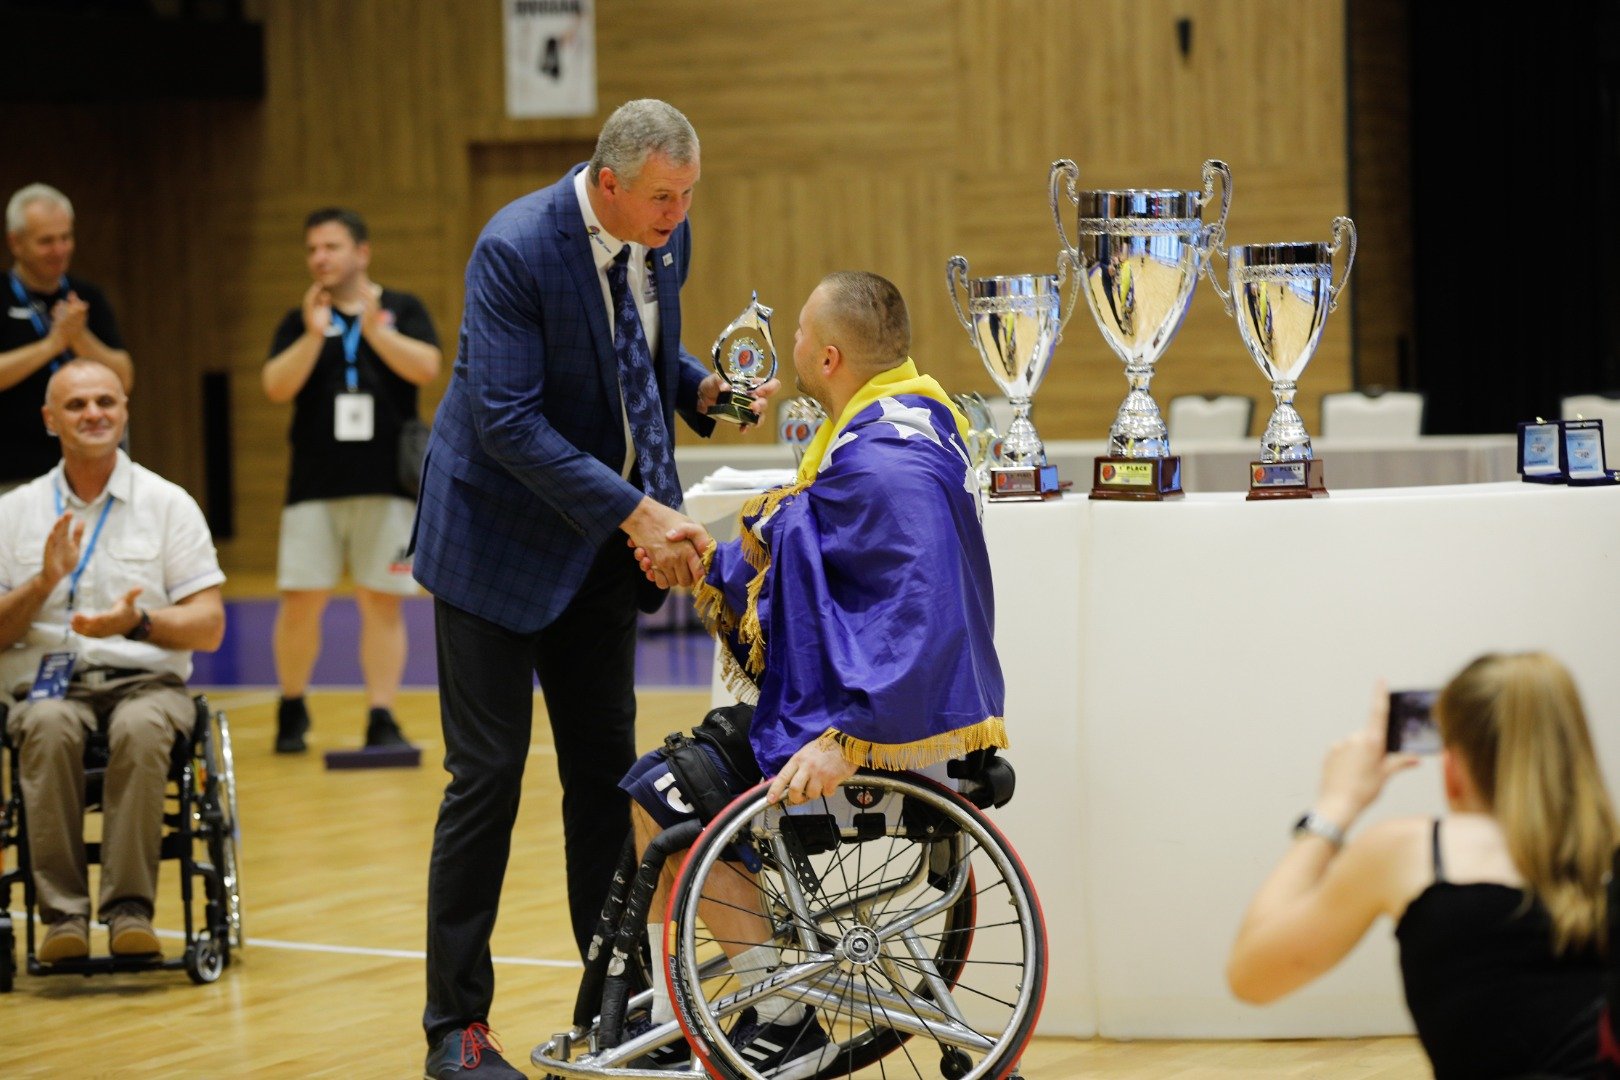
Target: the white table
pixel 1175 672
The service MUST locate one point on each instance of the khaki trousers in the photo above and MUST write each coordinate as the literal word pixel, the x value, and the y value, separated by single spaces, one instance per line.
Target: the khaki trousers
pixel 143 714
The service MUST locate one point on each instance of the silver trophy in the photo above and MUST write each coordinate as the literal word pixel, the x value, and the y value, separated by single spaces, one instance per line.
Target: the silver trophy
pixel 800 419
pixel 745 356
pixel 1139 253
pixel 1283 294
pixel 1015 322
pixel 983 440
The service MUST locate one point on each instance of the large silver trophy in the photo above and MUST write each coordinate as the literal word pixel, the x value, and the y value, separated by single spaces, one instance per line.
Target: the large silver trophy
pixel 745 356
pixel 1283 294
pixel 1139 253
pixel 1015 322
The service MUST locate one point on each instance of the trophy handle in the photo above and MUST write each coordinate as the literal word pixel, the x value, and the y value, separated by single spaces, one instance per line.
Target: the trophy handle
pixel 957 267
pixel 1214 279
pixel 1068 170
pixel 1217 231
pixel 1342 227
pixel 1066 263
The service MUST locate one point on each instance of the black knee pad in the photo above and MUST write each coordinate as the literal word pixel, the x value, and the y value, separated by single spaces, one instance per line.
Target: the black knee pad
pixel 708 788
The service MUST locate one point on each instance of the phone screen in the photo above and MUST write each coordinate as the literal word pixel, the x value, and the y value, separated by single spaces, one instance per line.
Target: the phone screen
pixel 1411 723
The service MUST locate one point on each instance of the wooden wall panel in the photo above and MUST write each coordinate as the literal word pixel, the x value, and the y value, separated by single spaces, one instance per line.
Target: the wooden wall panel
pixel 835 135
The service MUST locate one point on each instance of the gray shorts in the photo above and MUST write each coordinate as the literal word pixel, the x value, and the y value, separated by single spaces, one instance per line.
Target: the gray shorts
pixel 369 533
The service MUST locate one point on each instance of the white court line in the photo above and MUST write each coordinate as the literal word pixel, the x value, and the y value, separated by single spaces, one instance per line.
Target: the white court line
pixel 356 950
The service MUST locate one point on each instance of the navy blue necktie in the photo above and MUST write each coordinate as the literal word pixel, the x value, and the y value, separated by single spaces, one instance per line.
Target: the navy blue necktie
pixel 655 456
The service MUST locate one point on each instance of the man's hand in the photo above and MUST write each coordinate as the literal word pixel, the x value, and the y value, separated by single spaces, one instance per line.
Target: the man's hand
pixel 667 540
pixel 710 389
pixel 69 318
pixel 317 310
pixel 371 309
pixel 61 550
pixel 816 770
pixel 119 619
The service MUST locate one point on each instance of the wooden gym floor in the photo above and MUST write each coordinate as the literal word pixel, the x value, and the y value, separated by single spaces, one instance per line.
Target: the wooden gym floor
pixel 334 872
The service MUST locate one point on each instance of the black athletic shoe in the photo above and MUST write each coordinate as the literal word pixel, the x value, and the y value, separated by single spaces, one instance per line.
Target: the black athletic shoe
pixel 292 721
pixel 381 730
pixel 470 1053
pixel 674 1055
pixel 782 1051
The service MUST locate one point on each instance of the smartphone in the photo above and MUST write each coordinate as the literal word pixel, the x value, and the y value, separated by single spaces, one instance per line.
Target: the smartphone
pixel 1411 723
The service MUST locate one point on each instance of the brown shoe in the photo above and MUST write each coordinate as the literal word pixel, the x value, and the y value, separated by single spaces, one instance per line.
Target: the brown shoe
pixel 66 939
pixel 129 933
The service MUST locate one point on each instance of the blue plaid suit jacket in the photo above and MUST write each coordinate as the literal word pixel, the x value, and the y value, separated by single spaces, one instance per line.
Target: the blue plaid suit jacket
pixel 521 484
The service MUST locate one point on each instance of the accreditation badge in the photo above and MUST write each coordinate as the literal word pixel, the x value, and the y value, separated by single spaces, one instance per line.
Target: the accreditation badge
pixel 55 670
pixel 354 418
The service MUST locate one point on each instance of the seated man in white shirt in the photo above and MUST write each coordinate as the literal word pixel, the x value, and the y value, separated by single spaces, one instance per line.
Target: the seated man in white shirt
pixel 108 581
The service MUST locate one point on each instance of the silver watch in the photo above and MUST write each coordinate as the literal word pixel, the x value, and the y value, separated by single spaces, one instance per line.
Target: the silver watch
pixel 1311 823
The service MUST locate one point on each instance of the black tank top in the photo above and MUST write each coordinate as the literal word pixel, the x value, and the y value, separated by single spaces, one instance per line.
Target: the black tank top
pixel 1487 994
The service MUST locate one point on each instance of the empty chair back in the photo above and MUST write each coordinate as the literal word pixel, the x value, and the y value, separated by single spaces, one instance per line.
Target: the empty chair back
pixel 1356 414
pixel 1206 417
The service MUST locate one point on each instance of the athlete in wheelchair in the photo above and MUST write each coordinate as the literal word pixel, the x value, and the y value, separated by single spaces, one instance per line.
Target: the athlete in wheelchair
pixel 844 917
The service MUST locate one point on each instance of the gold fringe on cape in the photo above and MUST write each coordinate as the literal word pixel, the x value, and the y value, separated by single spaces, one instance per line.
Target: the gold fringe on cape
pixel 915 755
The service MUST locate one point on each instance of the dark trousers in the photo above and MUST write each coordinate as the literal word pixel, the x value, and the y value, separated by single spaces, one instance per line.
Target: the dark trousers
pixel 586 664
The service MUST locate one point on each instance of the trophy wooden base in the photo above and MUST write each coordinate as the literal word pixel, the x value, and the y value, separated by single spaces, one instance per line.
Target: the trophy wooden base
pixel 1286 480
pixel 1024 483
pixel 1136 478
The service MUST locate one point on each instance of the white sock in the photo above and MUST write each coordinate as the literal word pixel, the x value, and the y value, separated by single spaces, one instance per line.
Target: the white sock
pixel 752 967
pixel 663 1009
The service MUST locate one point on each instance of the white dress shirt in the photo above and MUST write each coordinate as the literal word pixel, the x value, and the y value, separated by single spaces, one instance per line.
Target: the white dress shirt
pixel 155 536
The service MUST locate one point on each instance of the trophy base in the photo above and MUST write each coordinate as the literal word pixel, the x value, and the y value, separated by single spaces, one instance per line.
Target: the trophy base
pixel 1023 483
pixel 1136 478
pixel 733 408
pixel 1594 480
pixel 1286 480
pixel 1544 478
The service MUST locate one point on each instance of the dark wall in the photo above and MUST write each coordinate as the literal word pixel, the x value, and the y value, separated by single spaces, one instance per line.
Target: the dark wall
pixel 1514 149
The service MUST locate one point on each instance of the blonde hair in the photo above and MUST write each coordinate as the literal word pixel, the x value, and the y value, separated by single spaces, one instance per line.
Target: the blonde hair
pixel 1517 723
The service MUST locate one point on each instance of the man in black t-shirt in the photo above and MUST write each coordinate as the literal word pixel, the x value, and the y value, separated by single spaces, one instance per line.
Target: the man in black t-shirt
pixel 350 360
pixel 49 317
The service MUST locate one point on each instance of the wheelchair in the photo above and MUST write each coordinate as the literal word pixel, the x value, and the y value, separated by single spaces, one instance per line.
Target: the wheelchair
pixel 200 812
pixel 903 919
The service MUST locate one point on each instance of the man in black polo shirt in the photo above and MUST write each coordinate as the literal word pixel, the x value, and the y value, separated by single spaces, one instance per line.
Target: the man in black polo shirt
pixel 350 359
pixel 49 317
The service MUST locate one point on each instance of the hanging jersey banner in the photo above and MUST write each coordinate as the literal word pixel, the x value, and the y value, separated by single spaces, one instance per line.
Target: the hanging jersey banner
pixel 550 58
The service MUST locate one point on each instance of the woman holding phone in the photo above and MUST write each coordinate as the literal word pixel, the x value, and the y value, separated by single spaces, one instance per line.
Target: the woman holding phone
pixel 1499 905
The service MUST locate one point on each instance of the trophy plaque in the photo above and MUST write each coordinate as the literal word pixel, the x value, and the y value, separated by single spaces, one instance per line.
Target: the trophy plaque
pixel 1281 295
pixel 1585 464
pixel 745 356
pixel 801 418
pixel 1541 452
pixel 1139 253
pixel 1015 322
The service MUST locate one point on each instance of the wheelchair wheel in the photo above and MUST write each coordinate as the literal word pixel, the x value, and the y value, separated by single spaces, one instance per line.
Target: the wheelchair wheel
pixel 224 832
pixel 904 923
pixel 204 960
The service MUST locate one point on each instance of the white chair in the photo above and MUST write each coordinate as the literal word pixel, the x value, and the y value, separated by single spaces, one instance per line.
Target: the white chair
pixel 1376 415
pixel 1201 417
pixel 1593 407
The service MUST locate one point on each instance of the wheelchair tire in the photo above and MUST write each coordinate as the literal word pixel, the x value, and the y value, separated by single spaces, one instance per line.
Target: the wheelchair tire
pixel 204 960
pixel 219 797
pixel 925 930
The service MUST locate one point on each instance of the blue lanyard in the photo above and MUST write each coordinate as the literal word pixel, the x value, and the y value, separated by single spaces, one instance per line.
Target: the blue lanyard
pixel 84 560
pixel 351 352
pixel 42 326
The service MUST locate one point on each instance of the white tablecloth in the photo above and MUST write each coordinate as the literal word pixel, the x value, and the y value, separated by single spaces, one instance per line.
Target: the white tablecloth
pixel 1175 672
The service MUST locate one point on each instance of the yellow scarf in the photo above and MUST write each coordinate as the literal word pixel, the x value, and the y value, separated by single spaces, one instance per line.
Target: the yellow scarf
pixel 901 379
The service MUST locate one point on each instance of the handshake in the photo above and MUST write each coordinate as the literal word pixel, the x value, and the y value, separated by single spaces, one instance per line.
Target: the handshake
pixel 669 546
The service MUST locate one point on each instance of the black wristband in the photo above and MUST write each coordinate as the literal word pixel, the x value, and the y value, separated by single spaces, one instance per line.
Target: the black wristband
pixel 141 630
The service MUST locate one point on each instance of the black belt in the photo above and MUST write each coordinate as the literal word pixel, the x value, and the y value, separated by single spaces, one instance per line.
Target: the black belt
pixel 101 676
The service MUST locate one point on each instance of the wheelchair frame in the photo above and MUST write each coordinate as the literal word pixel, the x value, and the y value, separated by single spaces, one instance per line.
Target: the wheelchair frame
pixel 881 950
pixel 202 788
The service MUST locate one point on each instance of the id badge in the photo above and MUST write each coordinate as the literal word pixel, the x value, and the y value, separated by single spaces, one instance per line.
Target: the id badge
pixel 354 418
pixel 55 671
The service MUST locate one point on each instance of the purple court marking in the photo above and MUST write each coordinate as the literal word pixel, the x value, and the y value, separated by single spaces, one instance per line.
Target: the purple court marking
pixel 671 649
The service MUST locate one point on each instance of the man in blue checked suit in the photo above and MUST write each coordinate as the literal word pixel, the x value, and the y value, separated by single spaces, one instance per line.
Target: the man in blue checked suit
pixel 552 456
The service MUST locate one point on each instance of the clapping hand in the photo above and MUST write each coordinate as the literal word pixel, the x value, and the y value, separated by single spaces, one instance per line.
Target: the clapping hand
pixel 118 619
